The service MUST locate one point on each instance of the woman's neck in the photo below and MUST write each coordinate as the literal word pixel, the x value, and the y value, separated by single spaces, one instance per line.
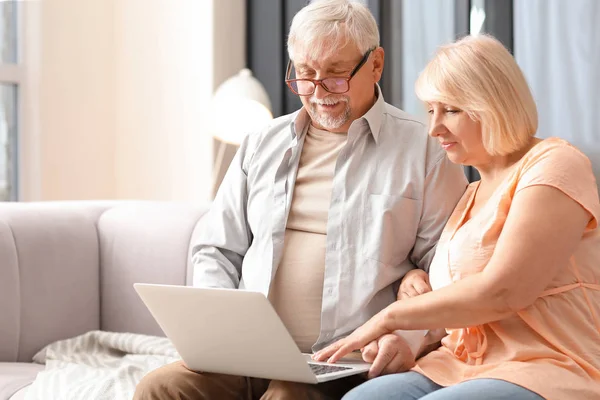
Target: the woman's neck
pixel 497 167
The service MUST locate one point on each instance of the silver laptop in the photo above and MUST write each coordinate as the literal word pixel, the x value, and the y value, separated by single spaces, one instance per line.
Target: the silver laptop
pixel 235 332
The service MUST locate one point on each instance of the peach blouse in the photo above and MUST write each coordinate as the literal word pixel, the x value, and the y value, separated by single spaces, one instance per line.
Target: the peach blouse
pixel 553 346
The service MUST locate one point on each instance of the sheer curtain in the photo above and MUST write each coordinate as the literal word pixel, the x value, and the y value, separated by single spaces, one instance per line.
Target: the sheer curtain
pixel 557 44
pixel 425 26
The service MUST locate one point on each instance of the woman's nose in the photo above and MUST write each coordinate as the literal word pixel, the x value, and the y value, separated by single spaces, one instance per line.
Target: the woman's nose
pixel 436 127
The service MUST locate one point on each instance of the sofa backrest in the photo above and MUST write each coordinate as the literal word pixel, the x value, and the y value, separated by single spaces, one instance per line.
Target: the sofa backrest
pixel 142 242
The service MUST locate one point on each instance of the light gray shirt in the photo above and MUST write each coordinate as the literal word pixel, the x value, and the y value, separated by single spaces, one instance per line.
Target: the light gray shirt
pixel 393 190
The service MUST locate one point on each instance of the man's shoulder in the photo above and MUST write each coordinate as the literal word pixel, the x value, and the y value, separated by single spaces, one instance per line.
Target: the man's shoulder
pixel 271 130
pixel 400 117
pixel 272 139
pixel 412 132
pixel 398 125
pixel 284 121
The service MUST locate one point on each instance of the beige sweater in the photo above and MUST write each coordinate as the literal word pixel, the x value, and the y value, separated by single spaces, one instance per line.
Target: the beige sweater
pixel 297 289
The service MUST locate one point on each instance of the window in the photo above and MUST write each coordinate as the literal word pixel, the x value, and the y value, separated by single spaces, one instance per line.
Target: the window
pixel 10 80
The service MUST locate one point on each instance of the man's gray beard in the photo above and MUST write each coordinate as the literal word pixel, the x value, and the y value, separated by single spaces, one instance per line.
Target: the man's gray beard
pixel 329 122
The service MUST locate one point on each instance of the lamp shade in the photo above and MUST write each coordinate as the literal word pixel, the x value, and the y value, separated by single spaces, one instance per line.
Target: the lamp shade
pixel 240 105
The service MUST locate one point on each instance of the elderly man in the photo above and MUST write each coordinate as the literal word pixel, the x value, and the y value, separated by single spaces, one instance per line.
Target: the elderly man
pixel 324 210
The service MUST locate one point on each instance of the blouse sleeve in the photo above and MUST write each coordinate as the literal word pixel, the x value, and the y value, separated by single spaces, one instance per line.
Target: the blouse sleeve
pixel 567 169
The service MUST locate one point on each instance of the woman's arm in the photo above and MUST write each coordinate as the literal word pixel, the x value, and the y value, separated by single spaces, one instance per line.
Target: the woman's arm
pixel 541 232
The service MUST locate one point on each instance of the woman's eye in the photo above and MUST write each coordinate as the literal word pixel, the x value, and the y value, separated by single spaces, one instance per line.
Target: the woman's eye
pixel 429 111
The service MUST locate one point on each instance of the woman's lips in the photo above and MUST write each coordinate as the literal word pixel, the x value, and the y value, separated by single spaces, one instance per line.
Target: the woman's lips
pixel 447 145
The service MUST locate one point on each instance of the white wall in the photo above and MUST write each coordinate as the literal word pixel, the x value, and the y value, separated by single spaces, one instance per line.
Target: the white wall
pixel 164 82
pixel 123 89
pixel 73 96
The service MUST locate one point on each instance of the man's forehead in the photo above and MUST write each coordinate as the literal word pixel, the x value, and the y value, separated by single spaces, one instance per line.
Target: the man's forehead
pixel 325 61
pixel 329 56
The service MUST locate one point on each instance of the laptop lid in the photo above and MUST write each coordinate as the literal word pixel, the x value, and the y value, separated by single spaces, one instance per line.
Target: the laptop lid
pixel 228 331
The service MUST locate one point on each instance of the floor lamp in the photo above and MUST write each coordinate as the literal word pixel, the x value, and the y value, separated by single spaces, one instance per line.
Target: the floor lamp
pixel 240 106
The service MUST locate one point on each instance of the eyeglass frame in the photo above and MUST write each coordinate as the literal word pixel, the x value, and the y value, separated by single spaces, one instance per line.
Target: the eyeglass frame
pixel 319 82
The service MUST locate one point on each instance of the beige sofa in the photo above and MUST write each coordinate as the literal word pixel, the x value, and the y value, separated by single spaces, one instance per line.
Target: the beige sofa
pixel 67 268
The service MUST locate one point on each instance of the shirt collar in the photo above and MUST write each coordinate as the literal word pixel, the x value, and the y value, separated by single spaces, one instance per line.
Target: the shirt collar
pixel 300 121
pixel 373 117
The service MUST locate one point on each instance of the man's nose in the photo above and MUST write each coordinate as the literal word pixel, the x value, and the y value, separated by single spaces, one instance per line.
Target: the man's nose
pixel 320 92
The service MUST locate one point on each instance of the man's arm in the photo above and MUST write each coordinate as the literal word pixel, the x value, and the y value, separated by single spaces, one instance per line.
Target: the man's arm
pixel 224 235
pixel 445 184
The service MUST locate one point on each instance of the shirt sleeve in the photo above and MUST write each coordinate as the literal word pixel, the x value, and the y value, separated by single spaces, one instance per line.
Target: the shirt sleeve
pixel 224 236
pixel 567 169
pixel 445 184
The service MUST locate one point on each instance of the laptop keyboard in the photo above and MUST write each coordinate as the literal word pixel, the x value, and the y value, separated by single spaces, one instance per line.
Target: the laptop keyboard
pixel 319 369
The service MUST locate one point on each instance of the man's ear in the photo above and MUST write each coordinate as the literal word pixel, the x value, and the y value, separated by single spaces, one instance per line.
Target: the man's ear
pixel 378 59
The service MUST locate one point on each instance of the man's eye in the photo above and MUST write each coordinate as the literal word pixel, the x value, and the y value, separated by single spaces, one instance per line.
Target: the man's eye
pixel 430 111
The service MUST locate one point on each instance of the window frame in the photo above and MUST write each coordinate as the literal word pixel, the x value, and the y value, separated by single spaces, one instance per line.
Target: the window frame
pixel 25 177
pixel 13 74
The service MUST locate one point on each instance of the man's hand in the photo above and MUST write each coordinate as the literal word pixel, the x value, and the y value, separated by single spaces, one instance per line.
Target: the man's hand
pixel 388 355
pixel 414 283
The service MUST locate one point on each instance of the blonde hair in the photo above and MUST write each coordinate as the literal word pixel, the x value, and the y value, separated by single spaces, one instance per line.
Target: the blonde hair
pixel 478 75
pixel 325 26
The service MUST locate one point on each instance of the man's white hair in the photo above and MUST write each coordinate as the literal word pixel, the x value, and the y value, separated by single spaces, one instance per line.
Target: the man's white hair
pixel 325 26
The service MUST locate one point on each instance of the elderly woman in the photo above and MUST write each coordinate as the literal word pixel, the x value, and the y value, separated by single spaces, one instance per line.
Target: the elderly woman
pixel 517 269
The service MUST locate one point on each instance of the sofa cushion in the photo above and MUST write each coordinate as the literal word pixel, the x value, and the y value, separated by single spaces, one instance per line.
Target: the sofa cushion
pixel 15 376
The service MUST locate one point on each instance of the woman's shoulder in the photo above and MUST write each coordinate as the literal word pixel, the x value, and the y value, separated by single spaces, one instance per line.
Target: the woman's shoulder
pixel 554 148
pixel 555 156
pixel 556 163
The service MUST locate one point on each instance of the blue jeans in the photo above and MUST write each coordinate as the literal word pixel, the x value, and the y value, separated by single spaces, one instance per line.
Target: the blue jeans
pixel 412 386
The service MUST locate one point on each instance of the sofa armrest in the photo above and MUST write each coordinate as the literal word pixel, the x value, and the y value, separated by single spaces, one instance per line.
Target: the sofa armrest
pixel 146 242
pixel 49 274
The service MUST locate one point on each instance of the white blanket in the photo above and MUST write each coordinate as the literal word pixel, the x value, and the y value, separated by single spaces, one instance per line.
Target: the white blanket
pixel 98 366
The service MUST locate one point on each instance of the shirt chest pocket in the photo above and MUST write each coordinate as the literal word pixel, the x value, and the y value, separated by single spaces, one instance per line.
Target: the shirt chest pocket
pixel 390 226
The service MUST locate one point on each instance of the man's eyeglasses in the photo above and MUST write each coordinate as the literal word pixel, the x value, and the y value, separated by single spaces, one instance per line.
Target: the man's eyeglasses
pixel 337 85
